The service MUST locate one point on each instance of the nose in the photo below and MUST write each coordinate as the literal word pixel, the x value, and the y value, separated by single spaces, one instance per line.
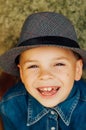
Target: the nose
pixel 45 74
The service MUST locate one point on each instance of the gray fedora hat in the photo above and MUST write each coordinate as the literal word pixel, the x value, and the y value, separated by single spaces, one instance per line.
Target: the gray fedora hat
pixel 41 29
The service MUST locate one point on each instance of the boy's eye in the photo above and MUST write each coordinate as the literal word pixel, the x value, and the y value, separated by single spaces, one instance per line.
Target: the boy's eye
pixel 59 64
pixel 33 66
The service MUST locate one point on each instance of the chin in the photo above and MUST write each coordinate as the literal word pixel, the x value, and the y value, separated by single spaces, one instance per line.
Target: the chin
pixel 49 105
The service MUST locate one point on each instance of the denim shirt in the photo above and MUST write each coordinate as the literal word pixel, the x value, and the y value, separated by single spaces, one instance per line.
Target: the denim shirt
pixel 20 111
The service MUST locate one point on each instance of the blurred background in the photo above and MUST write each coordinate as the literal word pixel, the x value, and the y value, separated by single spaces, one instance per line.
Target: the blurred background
pixel 14 12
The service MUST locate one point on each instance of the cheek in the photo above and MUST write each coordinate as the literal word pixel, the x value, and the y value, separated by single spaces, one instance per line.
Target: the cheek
pixel 62 73
pixel 67 75
pixel 29 78
pixel 69 80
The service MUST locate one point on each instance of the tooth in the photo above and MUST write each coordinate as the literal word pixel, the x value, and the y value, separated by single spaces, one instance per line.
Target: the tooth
pixel 45 89
pixel 49 89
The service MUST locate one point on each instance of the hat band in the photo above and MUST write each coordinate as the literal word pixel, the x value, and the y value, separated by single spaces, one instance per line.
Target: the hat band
pixel 50 40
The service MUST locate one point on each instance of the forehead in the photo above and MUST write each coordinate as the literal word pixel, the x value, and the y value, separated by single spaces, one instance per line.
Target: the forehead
pixel 46 51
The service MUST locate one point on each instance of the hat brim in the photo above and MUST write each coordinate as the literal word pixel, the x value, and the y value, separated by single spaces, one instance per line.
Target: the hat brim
pixel 7 60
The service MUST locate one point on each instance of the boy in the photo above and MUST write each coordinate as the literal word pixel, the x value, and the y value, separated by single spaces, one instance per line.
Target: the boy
pixel 51 94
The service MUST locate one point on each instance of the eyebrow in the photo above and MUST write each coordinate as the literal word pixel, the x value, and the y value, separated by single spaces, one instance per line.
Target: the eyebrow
pixel 29 61
pixel 61 58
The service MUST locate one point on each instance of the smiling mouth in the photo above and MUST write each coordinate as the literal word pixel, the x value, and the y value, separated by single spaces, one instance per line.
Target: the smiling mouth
pixel 48 91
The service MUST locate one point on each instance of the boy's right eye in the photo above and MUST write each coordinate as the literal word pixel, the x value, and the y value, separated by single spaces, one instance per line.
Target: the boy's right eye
pixel 32 66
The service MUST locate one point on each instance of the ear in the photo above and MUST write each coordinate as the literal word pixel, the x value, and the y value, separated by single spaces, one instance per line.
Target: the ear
pixel 79 69
pixel 20 71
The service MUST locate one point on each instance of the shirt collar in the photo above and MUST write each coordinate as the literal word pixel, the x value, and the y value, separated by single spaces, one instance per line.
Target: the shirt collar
pixel 64 109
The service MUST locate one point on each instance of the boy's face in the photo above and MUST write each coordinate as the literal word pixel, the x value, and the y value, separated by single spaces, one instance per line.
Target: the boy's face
pixel 48 73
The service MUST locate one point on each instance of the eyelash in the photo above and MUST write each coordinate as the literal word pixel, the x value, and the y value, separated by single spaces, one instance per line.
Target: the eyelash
pixel 32 66
pixel 59 64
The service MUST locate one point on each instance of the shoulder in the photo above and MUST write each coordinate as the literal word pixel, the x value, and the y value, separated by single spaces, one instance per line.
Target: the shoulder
pixel 82 89
pixel 15 91
pixel 14 102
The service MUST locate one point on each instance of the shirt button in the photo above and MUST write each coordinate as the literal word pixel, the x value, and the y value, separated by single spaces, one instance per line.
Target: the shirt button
pixel 52 112
pixel 52 128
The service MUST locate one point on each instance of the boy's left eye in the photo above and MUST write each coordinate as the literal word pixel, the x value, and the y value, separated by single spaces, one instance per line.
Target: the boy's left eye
pixel 59 64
